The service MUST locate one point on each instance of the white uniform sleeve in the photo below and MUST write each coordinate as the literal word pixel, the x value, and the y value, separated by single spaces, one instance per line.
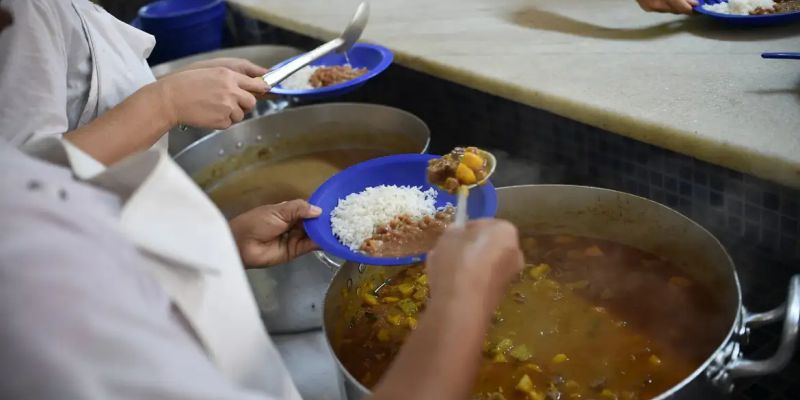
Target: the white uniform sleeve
pixel 79 321
pixel 33 71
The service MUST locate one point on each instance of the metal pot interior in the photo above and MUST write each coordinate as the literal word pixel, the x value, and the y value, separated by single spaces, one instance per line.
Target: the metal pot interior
pixel 583 211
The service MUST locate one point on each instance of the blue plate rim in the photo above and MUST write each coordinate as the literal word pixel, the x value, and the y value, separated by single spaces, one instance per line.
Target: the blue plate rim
pixel 386 60
pixel 143 11
pixel 342 251
pixel 699 8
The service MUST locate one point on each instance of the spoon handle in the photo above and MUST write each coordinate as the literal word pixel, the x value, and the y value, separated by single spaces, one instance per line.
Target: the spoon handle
pixel 277 75
pixel 461 207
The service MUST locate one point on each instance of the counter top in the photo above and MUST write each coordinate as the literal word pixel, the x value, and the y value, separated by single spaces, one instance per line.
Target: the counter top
pixel 687 84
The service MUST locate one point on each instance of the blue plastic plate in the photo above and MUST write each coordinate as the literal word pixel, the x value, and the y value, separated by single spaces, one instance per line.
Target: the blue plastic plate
pixel 372 57
pixel 403 169
pixel 756 20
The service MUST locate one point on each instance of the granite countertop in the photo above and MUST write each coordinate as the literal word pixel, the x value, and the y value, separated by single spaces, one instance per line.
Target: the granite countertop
pixel 687 84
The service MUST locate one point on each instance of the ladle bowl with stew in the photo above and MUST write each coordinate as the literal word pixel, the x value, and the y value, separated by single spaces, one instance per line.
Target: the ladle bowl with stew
pixel 488 163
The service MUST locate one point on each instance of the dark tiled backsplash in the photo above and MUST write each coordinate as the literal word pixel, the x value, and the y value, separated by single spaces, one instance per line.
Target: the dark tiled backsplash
pixel 755 219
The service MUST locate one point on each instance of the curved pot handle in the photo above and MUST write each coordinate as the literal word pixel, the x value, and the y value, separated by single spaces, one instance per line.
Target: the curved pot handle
pixel 328 260
pixel 732 364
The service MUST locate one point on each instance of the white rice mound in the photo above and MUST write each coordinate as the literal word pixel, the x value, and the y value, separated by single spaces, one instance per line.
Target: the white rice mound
pixel 300 79
pixel 356 216
pixel 739 7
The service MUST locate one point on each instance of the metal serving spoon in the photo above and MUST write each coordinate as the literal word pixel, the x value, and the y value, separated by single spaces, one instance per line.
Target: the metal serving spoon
pixel 463 190
pixel 341 44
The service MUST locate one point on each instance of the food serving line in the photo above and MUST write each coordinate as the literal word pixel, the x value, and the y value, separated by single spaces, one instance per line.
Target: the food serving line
pixel 307 352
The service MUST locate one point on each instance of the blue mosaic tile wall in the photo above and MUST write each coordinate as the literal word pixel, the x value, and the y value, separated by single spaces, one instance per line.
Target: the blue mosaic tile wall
pixel 755 219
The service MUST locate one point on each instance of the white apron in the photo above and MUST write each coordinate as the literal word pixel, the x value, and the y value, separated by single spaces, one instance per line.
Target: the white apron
pixel 119 61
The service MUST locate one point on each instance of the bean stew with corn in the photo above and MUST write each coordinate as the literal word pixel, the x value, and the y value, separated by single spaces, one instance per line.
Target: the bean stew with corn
pixel 587 319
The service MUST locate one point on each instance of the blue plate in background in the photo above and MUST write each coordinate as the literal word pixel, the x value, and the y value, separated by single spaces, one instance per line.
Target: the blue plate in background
pixel 754 20
pixel 400 170
pixel 372 57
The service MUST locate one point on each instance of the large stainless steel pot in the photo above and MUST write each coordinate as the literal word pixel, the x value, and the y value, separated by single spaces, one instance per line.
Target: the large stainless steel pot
pixel 264 55
pixel 637 222
pixel 290 296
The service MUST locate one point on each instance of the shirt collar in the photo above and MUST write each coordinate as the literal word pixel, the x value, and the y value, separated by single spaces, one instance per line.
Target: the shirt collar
pixel 163 211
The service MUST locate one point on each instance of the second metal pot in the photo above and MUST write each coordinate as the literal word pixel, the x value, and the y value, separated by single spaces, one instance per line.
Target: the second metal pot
pixel 290 296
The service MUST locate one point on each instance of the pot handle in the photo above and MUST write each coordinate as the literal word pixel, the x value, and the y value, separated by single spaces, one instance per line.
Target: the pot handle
pixel 327 260
pixel 735 365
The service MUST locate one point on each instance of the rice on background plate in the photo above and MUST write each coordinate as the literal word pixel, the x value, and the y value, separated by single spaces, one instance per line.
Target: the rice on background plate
pixel 356 216
pixel 740 7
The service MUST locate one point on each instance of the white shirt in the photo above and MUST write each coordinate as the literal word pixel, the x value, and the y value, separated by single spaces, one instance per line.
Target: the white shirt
pixel 124 285
pixel 63 63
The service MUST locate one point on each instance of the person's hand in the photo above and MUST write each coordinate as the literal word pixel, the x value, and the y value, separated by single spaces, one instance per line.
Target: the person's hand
pixel 273 234
pixel 209 97
pixel 668 6
pixel 240 65
pixel 478 260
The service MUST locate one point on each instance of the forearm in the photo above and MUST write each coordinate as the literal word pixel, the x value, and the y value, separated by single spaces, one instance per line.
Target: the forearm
pixel 132 126
pixel 441 358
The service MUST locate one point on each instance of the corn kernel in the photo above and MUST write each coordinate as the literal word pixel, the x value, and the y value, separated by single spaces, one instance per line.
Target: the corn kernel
pixel 654 360
pixel 383 335
pixel 534 367
pixel 594 251
pixel 525 384
pixel 608 394
pixel 679 281
pixel 465 175
pixel 369 299
pixel 534 395
pixel 539 271
pixel 473 161
pixel 390 300
pixel 422 279
pixel 560 358
pixel 394 319
pixel 411 322
pixel 406 289
pixel 500 358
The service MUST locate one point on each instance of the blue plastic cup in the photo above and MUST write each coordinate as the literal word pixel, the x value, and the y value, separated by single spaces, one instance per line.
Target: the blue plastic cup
pixel 183 27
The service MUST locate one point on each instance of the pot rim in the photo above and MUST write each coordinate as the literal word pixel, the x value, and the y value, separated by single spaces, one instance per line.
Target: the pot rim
pixel 291 110
pixel 664 395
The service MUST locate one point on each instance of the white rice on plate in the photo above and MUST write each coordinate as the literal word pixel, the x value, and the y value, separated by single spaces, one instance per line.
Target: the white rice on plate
pixel 300 79
pixel 739 7
pixel 356 216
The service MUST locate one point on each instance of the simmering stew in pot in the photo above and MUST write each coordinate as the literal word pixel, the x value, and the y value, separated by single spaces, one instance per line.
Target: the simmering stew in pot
pixel 587 319
pixel 273 181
